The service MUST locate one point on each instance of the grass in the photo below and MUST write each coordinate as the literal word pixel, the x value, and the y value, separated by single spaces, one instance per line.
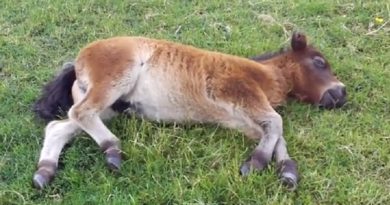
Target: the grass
pixel 343 154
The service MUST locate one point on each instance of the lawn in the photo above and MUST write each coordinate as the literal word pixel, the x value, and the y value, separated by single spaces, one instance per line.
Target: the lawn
pixel 343 155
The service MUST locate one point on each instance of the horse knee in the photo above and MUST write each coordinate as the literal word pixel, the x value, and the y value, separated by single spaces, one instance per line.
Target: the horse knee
pixel 277 120
pixel 74 114
pixel 60 129
pixel 55 128
pixel 51 125
pixel 273 124
pixel 79 112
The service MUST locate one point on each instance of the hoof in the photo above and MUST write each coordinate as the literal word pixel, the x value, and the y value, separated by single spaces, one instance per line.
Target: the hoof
pixel 40 181
pixel 257 161
pixel 113 159
pixel 113 155
pixel 288 174
pixel 290 181
pixel 245 169
pixel 44 174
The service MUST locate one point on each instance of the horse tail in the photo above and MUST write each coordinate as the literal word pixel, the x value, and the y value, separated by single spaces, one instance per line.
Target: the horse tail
pixel 56 97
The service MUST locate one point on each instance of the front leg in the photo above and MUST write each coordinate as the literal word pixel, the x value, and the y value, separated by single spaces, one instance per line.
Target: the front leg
pixel 286 167
pixel 271 124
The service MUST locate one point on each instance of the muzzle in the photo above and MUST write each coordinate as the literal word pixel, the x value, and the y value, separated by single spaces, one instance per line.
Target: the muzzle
pixel 334 97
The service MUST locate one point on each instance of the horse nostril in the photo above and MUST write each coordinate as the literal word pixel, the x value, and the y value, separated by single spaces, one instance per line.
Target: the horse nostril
pixel 338 91
pixel 334 97
pixel 339 94
pixel 344 91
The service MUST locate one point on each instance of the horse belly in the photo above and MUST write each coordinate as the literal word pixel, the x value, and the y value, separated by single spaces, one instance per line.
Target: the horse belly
pixel 154 99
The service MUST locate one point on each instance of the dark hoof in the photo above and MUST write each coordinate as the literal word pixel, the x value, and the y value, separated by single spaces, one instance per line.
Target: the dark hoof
pixel 257 161
pixel 113 159
pixel 290 181
pixel 44 175
pixel 288 174
pixel 40 181
pixel 245 169
pixel 113 154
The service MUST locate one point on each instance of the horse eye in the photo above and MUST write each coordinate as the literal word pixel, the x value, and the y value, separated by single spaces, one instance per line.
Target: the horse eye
pixel 319 62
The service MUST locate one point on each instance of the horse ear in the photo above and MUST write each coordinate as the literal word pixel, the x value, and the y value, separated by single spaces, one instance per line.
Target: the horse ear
pixel 298 41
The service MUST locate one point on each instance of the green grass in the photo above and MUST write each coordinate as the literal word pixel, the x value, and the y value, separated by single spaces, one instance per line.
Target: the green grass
pixel 343 154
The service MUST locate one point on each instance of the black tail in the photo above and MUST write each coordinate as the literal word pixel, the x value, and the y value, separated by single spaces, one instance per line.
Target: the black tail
pixel 56 97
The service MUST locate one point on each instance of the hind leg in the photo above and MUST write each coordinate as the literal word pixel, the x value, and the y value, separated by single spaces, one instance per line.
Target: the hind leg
pixel 57 134
pixel 86 115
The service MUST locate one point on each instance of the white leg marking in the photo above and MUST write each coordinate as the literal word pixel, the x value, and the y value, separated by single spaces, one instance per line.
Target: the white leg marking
pixel 273 129
pixel 57 134
pixel 281 150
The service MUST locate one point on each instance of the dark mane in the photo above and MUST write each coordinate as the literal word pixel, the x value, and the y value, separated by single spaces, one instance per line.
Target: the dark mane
pixel 270 55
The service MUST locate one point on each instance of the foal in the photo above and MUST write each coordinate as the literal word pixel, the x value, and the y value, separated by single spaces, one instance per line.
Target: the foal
pixel 166 81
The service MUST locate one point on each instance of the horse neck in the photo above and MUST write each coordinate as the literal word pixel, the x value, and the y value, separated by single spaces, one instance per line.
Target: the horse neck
pixel 284 69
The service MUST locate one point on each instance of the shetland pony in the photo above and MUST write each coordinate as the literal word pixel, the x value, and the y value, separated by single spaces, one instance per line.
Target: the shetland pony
pixel 171 82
